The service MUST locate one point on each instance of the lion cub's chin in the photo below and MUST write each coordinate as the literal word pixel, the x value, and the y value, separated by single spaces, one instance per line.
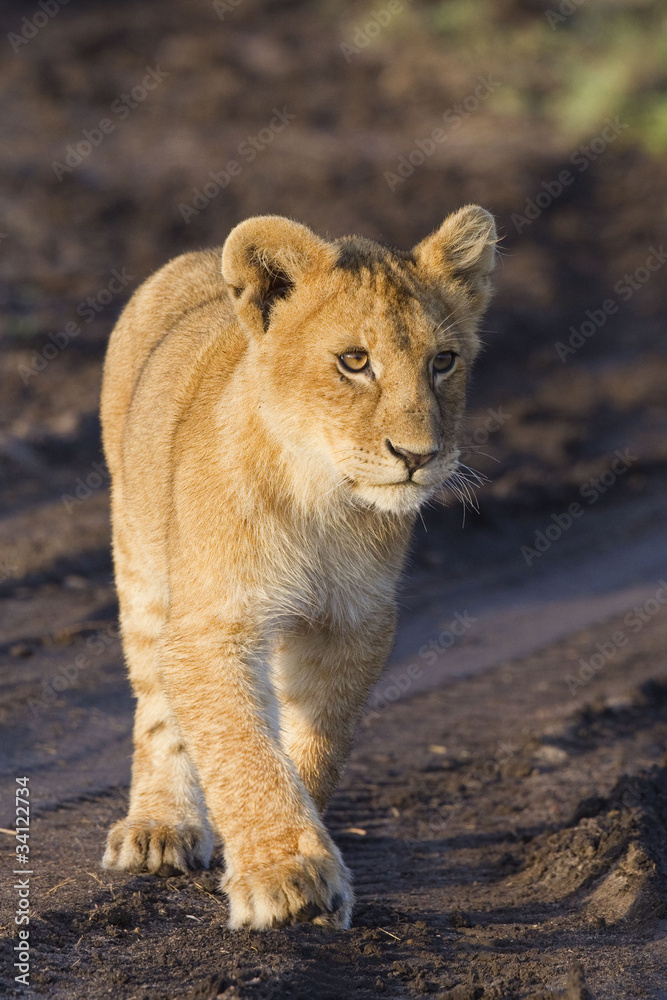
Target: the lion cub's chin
pixel 394 498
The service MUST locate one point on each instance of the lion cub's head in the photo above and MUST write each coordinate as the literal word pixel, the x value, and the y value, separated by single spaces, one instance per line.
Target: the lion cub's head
pixel 362 353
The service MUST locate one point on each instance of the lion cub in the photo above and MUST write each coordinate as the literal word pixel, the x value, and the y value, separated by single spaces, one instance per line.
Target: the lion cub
pixel 273 420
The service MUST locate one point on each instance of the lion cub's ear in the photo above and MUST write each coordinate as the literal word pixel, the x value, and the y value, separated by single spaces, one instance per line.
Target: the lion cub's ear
pixel 263 259
pixel 463 249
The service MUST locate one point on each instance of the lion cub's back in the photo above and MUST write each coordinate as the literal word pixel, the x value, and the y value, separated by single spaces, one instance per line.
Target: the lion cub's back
pixel 156 350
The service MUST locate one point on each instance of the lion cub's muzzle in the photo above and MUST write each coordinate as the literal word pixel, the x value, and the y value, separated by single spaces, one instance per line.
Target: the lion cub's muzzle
pixel 413 459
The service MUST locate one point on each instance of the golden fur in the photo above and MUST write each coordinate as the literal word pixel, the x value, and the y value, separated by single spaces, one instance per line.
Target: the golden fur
pixel 263 498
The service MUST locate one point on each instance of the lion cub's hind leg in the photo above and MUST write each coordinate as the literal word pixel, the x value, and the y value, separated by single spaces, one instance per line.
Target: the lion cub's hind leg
pixel 167 827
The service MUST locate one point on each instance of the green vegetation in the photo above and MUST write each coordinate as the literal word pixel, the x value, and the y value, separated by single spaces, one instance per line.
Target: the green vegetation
pixel 570 63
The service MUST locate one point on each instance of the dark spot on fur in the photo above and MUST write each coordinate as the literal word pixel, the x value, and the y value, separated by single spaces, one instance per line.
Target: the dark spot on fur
pixel 398 255
pixel 357 252
pixel 389 276
pixel 278 286
pixel 275 284
pixel 401 332
pixel 401 294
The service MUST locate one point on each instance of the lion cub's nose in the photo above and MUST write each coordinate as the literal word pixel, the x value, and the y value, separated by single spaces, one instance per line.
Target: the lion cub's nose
pixel 412 459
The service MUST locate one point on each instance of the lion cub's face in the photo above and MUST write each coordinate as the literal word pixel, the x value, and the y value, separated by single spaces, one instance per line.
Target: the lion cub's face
pixel 362 353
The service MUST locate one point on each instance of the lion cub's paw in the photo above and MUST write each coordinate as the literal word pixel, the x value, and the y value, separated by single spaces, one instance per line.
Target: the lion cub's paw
pixel 144 845
pixel 297 889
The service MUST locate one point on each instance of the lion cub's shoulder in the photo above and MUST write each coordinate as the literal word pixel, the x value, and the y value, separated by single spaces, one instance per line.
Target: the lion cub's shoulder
pixel 170 321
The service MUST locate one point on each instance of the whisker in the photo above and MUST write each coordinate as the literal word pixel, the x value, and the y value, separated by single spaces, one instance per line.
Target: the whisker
pixel 444 326
pixel 476 449
pixel 464 503
pixel 467 484
pixel 334 487
pixel 462 484
pixel 478 477
pixel 470 496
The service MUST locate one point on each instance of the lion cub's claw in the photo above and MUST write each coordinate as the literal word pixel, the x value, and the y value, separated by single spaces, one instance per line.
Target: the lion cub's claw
pixel 160 848
pixel 296 890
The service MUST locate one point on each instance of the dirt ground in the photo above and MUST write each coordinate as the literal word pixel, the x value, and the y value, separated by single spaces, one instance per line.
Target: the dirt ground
pixel 505 819
pixel 512 842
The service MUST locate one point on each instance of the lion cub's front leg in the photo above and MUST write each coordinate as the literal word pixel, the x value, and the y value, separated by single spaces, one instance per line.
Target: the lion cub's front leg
pixel 282 865
pixel 323 679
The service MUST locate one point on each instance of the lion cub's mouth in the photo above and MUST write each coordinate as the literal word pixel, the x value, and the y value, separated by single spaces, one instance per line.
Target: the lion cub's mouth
pixel 403 496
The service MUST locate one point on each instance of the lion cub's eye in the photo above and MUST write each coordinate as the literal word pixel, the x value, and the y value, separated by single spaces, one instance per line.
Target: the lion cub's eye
pixel 444 362
pixel 354 361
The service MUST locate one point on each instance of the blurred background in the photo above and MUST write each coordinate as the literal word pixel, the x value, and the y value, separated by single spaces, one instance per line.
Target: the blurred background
pixel 135 131
pixel 119 121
